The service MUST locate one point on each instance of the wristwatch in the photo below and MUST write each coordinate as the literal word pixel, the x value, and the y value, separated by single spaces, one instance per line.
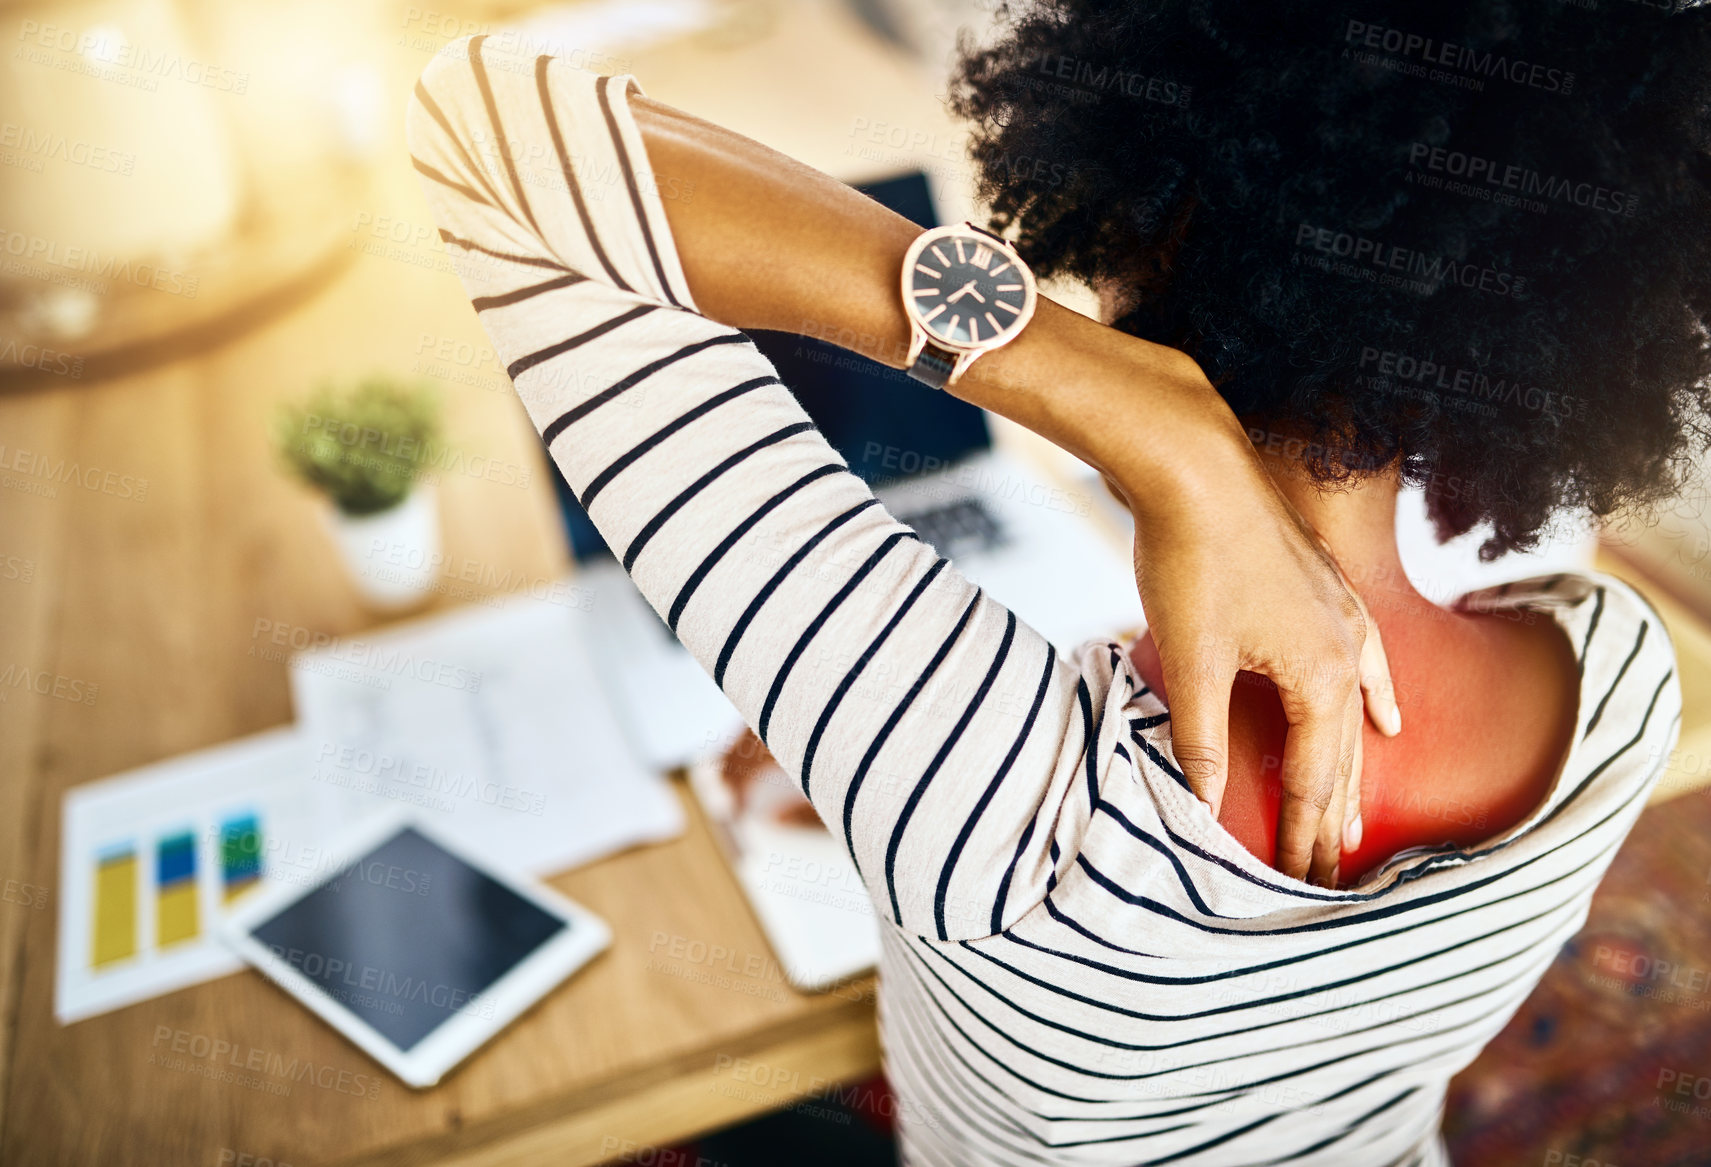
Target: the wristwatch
pixel 966 292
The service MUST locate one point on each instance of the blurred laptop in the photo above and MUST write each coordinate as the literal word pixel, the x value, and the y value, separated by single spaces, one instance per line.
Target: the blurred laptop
pixel 1031 544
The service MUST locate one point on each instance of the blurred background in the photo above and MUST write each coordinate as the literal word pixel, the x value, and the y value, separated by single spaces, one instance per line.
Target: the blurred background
pixel 255 450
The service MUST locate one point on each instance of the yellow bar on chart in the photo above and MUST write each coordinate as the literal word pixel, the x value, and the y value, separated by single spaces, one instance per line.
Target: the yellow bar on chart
pixel 115 907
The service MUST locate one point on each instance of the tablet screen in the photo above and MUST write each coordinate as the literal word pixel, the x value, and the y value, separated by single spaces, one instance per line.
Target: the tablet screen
pixel 408 936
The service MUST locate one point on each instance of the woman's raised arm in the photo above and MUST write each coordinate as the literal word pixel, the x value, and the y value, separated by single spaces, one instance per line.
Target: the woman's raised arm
pixel 612 248
pixel 1230 576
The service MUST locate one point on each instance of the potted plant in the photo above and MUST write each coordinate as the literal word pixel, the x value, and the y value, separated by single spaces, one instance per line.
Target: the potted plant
pixel 369 448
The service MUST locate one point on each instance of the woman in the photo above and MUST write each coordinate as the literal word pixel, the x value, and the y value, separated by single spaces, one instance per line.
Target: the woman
pixel 1088 954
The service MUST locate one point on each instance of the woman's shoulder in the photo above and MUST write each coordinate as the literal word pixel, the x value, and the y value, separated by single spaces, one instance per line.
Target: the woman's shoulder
pixel 1613 670
pixel 1594 604
pixel 1515 727
pixel 1624 656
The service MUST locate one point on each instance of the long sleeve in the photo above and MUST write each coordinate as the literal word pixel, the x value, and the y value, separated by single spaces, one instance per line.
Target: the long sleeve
pixel 944 741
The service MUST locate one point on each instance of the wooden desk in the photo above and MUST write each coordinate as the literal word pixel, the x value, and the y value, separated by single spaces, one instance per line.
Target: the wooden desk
pixel 155 601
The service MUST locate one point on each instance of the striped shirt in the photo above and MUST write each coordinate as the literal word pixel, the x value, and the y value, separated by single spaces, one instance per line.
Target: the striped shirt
pixel 1079 966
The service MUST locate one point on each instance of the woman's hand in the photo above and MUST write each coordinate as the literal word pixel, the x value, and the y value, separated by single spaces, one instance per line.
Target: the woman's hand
pixel 1233 579
pixel 746 768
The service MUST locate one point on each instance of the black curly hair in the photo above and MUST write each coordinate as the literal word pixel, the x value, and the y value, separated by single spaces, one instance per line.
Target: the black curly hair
pixel 1471 239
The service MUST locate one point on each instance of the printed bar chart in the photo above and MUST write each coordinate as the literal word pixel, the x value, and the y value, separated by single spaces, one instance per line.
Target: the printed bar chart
pixel 179 871
pixel 150 861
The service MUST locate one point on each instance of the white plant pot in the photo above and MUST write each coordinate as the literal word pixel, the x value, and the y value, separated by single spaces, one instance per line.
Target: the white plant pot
pixel 392 556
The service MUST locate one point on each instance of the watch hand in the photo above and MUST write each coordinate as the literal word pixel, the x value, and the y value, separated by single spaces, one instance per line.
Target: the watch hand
pixel 975 294
pixel 962 291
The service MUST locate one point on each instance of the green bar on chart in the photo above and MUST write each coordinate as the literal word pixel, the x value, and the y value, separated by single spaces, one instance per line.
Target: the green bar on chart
pixel 240 855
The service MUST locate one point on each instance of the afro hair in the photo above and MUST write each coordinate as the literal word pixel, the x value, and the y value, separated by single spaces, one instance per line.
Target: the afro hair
pixel 1469 240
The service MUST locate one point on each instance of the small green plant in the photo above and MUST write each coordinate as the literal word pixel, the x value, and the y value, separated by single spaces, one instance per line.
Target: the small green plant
pixel 365 445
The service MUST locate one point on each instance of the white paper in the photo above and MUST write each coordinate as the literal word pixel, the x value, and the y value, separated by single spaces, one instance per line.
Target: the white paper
pixel 490 720
pixel 670 710
pixel 799 880
pixel 265 776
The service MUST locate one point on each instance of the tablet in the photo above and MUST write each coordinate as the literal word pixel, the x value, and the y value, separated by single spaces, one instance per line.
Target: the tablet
pixel 413 948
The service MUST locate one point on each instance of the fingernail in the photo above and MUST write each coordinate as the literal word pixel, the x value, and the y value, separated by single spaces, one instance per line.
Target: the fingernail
pixel 1393 721
pixel 1351 835
pixel 1336 875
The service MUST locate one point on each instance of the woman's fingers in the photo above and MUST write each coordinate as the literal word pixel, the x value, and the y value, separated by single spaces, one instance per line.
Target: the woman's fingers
pixel 1377 686
pixel 1353 826
pixel 1328 844
pixel 1200 724
pixel 1333 829
pixel 1316 763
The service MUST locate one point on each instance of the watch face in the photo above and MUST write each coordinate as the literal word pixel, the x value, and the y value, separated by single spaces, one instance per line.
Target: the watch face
pixel 965 291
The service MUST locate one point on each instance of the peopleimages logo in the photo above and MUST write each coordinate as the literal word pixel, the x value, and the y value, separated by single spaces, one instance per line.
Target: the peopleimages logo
pixel 220 1060
pixel 37 146
pixel 1402 266
pixel 1097 77
pixel 46 360
pixel 104 53
pixel 30 250
pixel 382 660
pixel 1522 181
pixel 1473 65
pixel 1403 367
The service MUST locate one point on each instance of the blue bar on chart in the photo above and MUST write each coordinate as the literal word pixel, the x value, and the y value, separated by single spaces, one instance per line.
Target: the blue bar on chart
pixel 175 889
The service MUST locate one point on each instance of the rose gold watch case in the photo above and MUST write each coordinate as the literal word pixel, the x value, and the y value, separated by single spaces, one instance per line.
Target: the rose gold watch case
pixel 967 352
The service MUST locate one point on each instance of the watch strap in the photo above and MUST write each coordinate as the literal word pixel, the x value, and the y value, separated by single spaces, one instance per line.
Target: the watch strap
pixel 933 367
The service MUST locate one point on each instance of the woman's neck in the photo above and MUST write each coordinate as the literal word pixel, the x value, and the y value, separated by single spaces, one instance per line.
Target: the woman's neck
pixel 1484 687
pixel 1357 520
